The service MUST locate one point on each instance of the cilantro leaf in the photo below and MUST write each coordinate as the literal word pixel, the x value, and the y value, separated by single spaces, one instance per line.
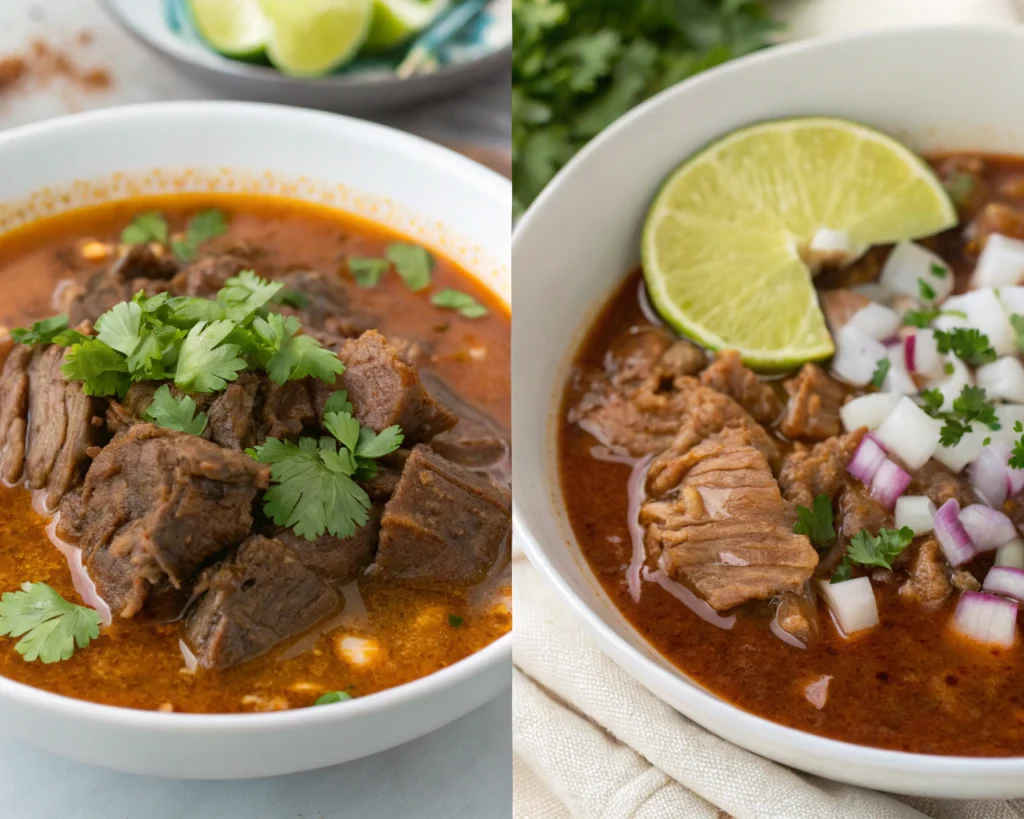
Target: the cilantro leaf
pixel 412 263
pixel 338 402
pixel 53 330
pixel 455 300
pixel 1017 322
pixel 1017 455
pixel 175 413
pixel 881 549
pixel 205 362
pixel 120 327
pixel 972 405
pixel 332 697
pixel 375 445
pixel 343 427
pixel 144 228
pixel 969 345
pixel 100 368
pixel 926 290
pixel 939 271
pixel 455 621
pixel 844 571
pixel 49 626
pixel 367 271
pixel 244 294
pixel 816 523
pixel 297 356
pixel 933 401
pixel 881 371
pixel 205 225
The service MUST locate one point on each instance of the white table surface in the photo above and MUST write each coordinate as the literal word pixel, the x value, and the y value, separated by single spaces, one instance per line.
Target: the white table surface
pixel 463 770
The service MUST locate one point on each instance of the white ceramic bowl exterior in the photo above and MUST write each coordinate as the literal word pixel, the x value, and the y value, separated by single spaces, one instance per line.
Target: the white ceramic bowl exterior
pixel 435 196
pixel 949 88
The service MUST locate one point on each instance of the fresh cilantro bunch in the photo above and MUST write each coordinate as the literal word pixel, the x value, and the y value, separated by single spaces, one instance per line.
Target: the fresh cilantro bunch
pixel 315 487
pixel 972 405
pixel 880 550
pixel 578 65
pixel 49 626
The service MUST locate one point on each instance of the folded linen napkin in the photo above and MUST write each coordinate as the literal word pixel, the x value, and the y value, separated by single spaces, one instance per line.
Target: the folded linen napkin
pixel 591 742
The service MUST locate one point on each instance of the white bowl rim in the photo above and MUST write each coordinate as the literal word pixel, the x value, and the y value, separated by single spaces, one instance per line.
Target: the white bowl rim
pixel 496 653
pixel 644 668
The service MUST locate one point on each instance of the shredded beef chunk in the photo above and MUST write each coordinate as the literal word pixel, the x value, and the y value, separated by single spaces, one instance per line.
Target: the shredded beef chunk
pixel 328 307
pixel 285 410
pixel 63 424
pixel 728 375
pixel 253 600
pixel 797 615
pixel 813 408
pixel 476 441
pixel 230 417
pixel 858 510
pixel 205 277
pixel 996 217
pixel 723 528
pixel 337 559
pixel 809 471
pixel 928 583
pixel 139 269
pixel 443 525
pixel 938 483
pixel 384 390
pixel 14 412
pixel 389 471
pixel 157 504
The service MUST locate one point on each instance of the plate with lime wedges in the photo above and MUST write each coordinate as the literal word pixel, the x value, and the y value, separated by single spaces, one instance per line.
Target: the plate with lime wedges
pixel 359 56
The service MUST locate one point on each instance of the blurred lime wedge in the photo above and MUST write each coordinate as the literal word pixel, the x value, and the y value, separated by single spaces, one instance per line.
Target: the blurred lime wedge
pixel 311 38
pixel 727 243
pixel 234 28
pixel 395 21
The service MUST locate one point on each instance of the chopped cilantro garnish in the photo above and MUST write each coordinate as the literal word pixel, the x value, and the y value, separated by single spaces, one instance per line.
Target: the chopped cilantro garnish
pixel 244 294
pixel 1017 322
pixel 880 550
pixel 920 318
pixel 1017 455
pixel 881 371
pixel 926 290
pixel 53 330
pixel 49 626
pixel 933 400
pixel 100 368
pixel 332 697
pixel 844 571
pixel 297 356
pixel 455 621
pixel 972 405
pixel 451 299
pixel 205 362
pixel 144 228
pixel 938 271
pixel 175 413
pixel 412 263
pixel 948 368
pixel 816 523
pixel 367 271
pixel 205 225
pixel 969 345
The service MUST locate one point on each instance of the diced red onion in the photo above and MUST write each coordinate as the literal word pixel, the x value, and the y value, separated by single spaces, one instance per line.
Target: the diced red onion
pixel 991 476
pixel 969 447
pixel 1011 554
pixel 857 355
pixel 1000 264
pixel 1002 379
pixel 984 313
pixel 1005 580
pixel 952 536
pixel 921 354
pixel 852 603
pixel 890 481
pixel 909 262
pixel 867 410
pixel 866 460
pixel 917 512
pixel 910 433
pixel 987 528
pixel 986 618
pixel 817 692
pixel 876 320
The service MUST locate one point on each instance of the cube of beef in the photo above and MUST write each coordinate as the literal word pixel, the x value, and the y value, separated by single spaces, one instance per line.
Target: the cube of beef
pixel 257 597
pixel 205 277
pixel 284 409
pixel 231 421
pixel 140 268
pixel 337 559
pixel 443 525
pixel 477 441
pixel 158 504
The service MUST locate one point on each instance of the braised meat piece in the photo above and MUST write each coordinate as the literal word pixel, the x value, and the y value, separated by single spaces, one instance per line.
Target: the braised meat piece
pixel 723 527
pixel 257 597
pixel 205 277
pixel 938 483
pixel 797 615
pixel 443 525
pixel 285 409
pixel 996 217
pixel 63 424
pixel 14 412
pixel 389 471
pixel 809 471
pixel 928 583
pixel 858 510
pixel 230 416
pixel 336 559
pixel 840 305
pixel 140 268
pixel 157 504
pixel 476 441
pixel 729 376
pixel 813 408
pixel 384 390
pixel 328 305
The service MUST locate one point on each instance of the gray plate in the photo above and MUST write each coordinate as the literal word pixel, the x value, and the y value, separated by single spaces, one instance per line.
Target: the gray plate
pixel 355 92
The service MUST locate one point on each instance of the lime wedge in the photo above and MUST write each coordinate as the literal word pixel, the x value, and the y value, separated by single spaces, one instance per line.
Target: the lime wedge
pixel 395 21
pixel 727 243
pixel 234 28
pixel 311 38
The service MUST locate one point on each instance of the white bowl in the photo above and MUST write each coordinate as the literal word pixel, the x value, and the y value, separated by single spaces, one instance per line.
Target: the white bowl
pixel 429 193
pixel 938 88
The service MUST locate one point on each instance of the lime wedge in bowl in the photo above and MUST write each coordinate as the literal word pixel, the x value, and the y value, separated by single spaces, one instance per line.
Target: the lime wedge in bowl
pixel 311 38
pixel 396 21
pixel 729 245
pixel 234 28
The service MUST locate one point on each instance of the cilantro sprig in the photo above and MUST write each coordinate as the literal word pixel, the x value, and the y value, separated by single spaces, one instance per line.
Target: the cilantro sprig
pixel 331 697
pixel 969 345
pixel 53 330
pixel 175 413
pixel 314 482
pixel 49 626
pixel 879 550
pixel 972 405
pixel 881 371
pixel 816 523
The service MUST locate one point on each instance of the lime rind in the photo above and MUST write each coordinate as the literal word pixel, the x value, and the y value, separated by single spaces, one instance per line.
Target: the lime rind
pixel 234 28
pixel 396 21
pixel 745 208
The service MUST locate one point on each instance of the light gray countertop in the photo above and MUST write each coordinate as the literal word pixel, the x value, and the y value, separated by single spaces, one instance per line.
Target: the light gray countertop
pixel 463 770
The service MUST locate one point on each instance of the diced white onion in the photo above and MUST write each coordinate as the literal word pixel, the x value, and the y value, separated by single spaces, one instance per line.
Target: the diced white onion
pixel 1012 299
pixel 1008 415
pixel 986 527
pixel 867 410
pixel 1011 554
pixel 953 384
pixel 852 603
pixel 909 262
pixel 857 355
pixel 1005 580
pixel 188 657
pixel 910 433
pixel 952 536
pixel 1001 262
pixel 877 321
pixel 897 379
pixel 984 312
pixel 921 354
pixel 917 512
pixel 956 457
pixel 986 618
pixel 1002 379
